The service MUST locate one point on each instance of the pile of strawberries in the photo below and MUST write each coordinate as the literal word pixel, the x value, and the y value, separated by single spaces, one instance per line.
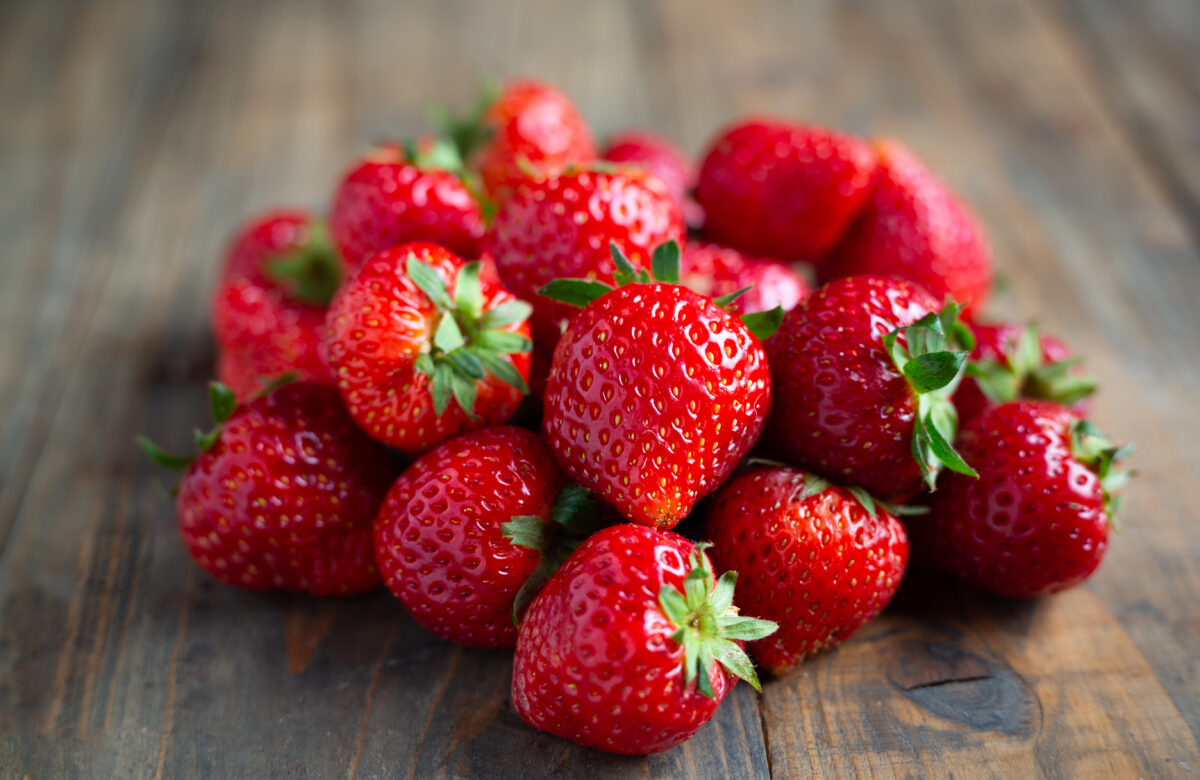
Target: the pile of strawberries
pixel 648 327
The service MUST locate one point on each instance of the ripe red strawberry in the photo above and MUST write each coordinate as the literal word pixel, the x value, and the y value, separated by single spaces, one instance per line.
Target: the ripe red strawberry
pixel 562 226
pixel 715 271
pixel 862 371
pixel 277 278
pixel 1012 362
pixel 656 392
pixel 916 228
pixel 821 561
pixel 401 347
pixel 396 194
pixel 282 493
pixel 663 159
pixel 1036 521
pixel 528 127
pixel 440 537
pixel 632 644
pixel 783 190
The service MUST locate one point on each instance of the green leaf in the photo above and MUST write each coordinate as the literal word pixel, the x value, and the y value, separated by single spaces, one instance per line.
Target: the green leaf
pixel 441 155
pixel 466 363
pixel 944 451
pixel 734 659
pixel 526 531
pixel 1026 354
pixel 206 439
pixel 725 301
pixel 625 273
pixel 576 292
pixel 664 262
pixel 429 281
pixel 722 595
pixel 310 273
pixel 673 605
pixel 747 629
pixel 505 314
pixel 464 392
pixel 706 663
pixel 691 658
pixel 933 370
pixel 576 510
pixel 221 401
pixel 424 364
pixel 448 336
pixel 271 385
pixel 864 498
pixel 442 374
pixel 764 323
pixel 500 368
pixel 161 457
pixel 813 485
pixel 468 293
pixel 502 341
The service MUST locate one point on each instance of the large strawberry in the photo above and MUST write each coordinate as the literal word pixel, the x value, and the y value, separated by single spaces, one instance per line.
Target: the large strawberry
pixel 528 127
pixel 1036 521
pixel 632 645
pixel 862 373
pixel 662 158
pixel 562 226
pixel 656 392
pixel 715 271
pixel 916 228
pixel 780 189
pixel 278 276
pixel 819 560
pixel 1011 362
pixel 469 525
pixel 398 194
pixel 282 493
pixel 402 347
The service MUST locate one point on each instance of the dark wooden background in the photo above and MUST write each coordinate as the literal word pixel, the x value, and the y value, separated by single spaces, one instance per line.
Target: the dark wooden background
pixel 135 135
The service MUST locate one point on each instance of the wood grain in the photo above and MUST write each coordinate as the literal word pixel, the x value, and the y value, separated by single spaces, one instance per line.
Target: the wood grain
pixel 137 134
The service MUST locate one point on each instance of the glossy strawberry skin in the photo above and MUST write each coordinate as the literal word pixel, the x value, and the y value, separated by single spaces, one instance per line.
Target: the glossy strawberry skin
pixel 715 270
pixel 992 342
pixel 286 497
pixel 595 661
pixel 916 228
pixel 842 410
pixel 561 226
pixel 261 332
pixel 820 566
pixel 532 125
pixel 784 190
pixel 1033 523
pixel 386 199
pixel 654 396
pixel 662 158
pixel 438 536
pixel 378 323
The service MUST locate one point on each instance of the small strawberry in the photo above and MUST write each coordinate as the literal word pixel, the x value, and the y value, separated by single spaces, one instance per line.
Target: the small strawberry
pixel 398 194
pixel 632 644
pixel 529 127
pixel 278 276
pixel 715 271
pixel 916 228
pixel 440 537
pixel 282 493
pixel 819 560
pixel 401 347
pixel 1036 521
pixel 661 158
pixel 1011 362
pixel 561 226
pixel 862 373
pixel 656 392
pixel 783 190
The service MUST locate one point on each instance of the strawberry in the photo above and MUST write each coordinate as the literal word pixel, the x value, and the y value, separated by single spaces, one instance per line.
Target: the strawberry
pixel 471 524
pixel 1011 362
pixel 561 226
pixel 398 194
pixel 282 493
pixel 662 158
pixel 916 228
pixel 1036 521
pixel 783 190
pixel 819 560
pixel 529 127
pixel 715 271
pixel 269 306
pixel 402 347
pixel 862 373
pixel 655 392
pixel 632 644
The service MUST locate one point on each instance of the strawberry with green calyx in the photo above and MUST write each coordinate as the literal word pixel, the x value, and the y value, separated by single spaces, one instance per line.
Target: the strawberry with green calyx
pixel 403 347
pixel 655 392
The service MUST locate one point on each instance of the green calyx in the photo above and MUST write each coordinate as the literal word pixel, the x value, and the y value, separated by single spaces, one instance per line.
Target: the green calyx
pixel 1024 373
pixel 814 485
pixel 468 343
pixel 664 268
pixel 707 624
pixel 933 360
pixel 310 273
pixel 1101 456
pixel 574 517
pixel 470 131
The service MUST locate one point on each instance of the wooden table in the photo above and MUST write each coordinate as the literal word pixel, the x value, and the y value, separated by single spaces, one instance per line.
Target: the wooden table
pixel 135 135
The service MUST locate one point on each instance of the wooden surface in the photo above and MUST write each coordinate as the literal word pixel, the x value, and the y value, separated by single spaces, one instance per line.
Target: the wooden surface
pixel 135 135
